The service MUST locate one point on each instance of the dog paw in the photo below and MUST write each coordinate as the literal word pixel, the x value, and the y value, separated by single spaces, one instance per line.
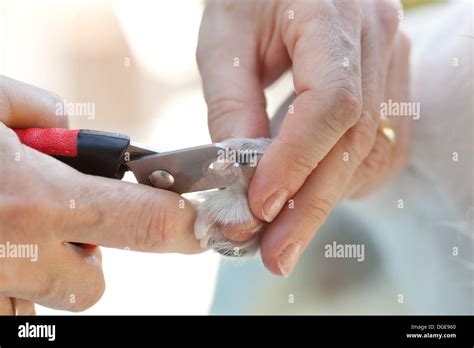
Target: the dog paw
pixel 225 222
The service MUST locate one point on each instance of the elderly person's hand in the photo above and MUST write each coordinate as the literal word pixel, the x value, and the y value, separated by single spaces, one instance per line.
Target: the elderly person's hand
pixel 347 58
pixel 47 208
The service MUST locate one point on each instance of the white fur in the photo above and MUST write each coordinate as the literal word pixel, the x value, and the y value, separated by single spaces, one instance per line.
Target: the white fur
pixel 229 206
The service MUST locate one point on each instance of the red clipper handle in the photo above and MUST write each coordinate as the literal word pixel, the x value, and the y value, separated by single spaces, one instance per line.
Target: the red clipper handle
pixel 50 141
pixel 88 151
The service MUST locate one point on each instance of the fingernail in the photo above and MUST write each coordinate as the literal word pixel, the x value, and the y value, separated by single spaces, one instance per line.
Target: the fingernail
pixel 288 258
pixel 204 242
pixel 273 205
pixel 201 226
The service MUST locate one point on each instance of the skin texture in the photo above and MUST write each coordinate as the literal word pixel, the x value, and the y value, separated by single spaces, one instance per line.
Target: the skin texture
pixel 336 111
pixel 35 208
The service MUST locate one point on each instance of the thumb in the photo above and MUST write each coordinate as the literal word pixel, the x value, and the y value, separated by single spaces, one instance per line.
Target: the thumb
pixel 123 215
pixel 228 64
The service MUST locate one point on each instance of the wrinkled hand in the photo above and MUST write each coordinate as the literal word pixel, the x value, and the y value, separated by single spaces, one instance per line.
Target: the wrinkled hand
pixel 47 204
pixel 347 57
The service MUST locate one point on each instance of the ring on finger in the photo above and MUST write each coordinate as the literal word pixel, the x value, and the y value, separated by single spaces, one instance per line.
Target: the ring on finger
pixel 387 131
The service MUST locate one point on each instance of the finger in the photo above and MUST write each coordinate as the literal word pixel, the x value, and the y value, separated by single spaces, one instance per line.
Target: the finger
pixel 6 306
pixel 286 237
pixel 400 90
pixel 8 139
pixel 228 63
pixel 122 215
pixel 378 35
pixel 328 104
pixel 385 158
pixel 23 106
pixel 118 214
pixel 63 277
pixel 22 307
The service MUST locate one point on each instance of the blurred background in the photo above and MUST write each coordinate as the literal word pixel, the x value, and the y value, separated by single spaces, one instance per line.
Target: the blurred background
pixel 135 61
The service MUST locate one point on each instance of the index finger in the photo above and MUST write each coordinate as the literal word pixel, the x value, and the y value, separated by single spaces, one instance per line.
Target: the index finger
pixel 24 106
pixel 123 215
pixel 326 68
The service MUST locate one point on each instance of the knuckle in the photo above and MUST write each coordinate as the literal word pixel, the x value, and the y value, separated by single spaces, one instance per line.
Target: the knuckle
pixel 344 110
pixel 316 210
pixel 350 10
pixel 362 137
pixel 388 13
pixel 152 228
pixel 300 159
pixel 52 101
pixel 226 111
pixel 222 106
pixel 378 160
pixel 302 163
pixel 347 4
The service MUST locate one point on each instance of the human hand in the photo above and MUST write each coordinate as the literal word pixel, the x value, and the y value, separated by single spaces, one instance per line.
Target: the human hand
pixel 46 205
pixel 347 57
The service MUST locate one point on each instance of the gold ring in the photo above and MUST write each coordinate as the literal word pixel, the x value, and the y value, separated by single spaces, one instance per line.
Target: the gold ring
pixel 387 131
